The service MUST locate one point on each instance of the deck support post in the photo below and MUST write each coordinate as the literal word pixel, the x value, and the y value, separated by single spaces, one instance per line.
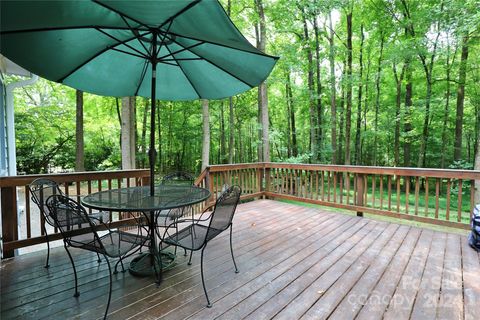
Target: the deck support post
pixel 9 218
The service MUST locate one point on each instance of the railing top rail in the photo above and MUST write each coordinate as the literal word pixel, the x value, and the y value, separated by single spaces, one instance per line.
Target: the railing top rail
pixel 22 180
pixel 401 171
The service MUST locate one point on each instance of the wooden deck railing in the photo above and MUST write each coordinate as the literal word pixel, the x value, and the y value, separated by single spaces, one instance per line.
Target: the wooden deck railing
pixel 15 195
pixel 437 196
pixel 441 197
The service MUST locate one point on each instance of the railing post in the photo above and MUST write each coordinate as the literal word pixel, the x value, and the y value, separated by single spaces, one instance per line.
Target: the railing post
pixel 267 180
pixel 259 180
pixel 360 184
pixel 9 218
pixel 209 183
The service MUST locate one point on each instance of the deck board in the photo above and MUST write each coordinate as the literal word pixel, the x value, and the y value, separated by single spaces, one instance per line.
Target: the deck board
pixel 295 263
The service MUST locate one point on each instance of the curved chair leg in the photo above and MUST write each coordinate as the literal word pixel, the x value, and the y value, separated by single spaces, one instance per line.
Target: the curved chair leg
pixel 231 251
pixel 190 260
pixel 76 294
pixel 98 256
pixel 209 305
pixel 110 289
pixel 48 247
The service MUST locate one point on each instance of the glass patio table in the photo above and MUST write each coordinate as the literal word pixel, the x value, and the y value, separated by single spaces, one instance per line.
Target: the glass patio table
pixel 138 199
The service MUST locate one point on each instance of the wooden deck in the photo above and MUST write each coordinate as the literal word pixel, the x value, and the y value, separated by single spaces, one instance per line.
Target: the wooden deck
pixel 295 263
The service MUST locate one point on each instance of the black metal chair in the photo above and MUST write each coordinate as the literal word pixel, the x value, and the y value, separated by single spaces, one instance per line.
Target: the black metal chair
pixel 166 218
pixel 196 236
pixel 42 188
pixel 68 216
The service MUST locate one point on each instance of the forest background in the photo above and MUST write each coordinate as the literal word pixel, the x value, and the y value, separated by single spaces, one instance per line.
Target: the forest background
pixel 366 82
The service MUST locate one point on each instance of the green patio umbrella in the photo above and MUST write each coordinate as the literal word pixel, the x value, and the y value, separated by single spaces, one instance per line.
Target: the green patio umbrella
pixel 162 49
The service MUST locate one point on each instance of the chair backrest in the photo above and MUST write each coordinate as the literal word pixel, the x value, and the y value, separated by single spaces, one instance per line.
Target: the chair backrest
pixel 41 189
pixel 178 177
pixel 69 215
pixel 225 206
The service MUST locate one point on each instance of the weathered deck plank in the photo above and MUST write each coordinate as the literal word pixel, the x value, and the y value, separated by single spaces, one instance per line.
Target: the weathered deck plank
pixel 295 263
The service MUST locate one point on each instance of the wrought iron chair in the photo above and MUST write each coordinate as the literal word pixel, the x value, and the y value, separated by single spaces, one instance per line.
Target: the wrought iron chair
pixel 42 188
pixel 68 216
pixel 167 217
pixel 196 236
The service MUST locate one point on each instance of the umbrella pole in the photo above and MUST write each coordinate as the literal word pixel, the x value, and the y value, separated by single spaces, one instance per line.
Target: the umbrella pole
pixel 152 152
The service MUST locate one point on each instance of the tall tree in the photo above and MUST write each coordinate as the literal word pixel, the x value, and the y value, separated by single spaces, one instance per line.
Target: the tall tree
pixel 377 97
pixel 79 136
pixel 291 115
pixel 462 75
pixel 319 125
pixel 359 103
pixel 311 102
pixel 206 135
pixel 348 113
pixel 128 133
pixel 398 102
pixel 262 88
pixel 333 89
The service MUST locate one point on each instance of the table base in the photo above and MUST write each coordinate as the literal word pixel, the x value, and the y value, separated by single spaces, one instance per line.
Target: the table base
pixel 141 266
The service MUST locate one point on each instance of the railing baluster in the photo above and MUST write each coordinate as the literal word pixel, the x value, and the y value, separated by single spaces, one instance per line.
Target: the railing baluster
pixel 27 212
pixel 334 186
pixel 381 192
pixel 341 186
pixel 398 193
pixel 417 191
pixel 389 186
pixel 426 196
pixel 329 185
pixel 459 205
pixel 374 182
pixel 437 195
pixel 323 185
pixel 449 187
pixel 407 192
pixel 347 184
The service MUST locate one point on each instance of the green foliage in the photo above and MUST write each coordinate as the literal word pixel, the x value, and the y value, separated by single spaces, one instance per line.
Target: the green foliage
pixel 45 112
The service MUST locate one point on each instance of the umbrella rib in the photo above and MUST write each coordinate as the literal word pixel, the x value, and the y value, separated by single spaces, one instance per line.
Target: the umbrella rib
pixel 259 53
pixel 179 51
pixel 185 74
pixel 179 13
pixel 120 13
pixel 130 53
pixel 144 72
pixel 136 34
pixel 221 68
pixel 126 45
pixel 91 58
pixel 66 28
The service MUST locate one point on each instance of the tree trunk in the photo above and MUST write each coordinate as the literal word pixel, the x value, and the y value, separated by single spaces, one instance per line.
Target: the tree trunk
pixel 477 167
pixel 143 141
pixel 311 102
pixel 231 126
pixel 128 133
pixel 341 115
pixel 292 116
pixel 447 107
pixel 359 104
pixel 462 75
pixel 398 103
pixel 408 114
pixel 333 92
pixel 223 141
pixel 206 135
pixel 377 100
pixel 348 114
pixel 79 137
pixel 319 92
pixel 262 88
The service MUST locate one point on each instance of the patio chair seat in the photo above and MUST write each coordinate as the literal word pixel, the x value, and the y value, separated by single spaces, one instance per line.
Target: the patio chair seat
pixel 192 237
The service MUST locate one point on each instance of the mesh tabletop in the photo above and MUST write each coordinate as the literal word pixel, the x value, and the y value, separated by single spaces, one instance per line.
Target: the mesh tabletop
pixel 139 198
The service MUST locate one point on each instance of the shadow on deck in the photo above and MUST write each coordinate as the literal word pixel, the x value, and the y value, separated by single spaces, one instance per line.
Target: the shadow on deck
pixel 295 262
